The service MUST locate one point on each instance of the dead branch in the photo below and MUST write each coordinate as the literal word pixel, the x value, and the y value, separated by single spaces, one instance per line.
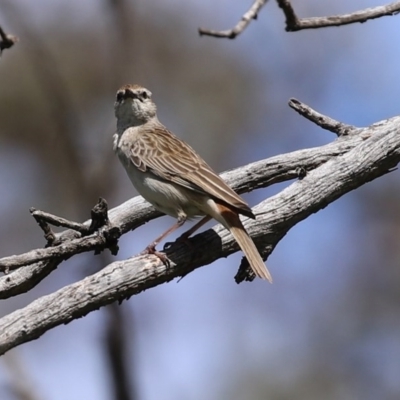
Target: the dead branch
pixel 252 13
pixel 339 128
pixel 98 236
pixel 37 264
pixel 136 212
pixel 361 156
pixel 293 23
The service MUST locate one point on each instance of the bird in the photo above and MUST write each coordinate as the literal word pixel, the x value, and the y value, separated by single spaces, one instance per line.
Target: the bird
pixel 171 176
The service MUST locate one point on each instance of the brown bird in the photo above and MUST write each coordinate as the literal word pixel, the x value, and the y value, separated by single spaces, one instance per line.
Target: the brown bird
pixel 169 174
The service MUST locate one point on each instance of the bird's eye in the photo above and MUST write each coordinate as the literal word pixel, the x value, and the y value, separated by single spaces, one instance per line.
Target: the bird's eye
pixel 145 95
pixel 120 95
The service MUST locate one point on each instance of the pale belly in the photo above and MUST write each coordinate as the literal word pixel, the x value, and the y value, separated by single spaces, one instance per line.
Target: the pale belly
pixel 167 197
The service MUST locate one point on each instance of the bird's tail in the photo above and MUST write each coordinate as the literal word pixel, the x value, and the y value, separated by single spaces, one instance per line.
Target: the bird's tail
pixel 247 245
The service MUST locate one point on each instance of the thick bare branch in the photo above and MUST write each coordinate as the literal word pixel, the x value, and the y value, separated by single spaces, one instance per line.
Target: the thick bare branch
pixel 252 13
pixel 293 23
pixel 370 159
pixel 137 211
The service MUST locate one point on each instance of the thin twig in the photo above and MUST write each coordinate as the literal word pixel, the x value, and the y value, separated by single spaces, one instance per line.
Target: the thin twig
pixel 252 13
pixel 328 123
pixel 42 216
pixel 102 235
pixel 293 23
pixel 99 214
pixel 44 225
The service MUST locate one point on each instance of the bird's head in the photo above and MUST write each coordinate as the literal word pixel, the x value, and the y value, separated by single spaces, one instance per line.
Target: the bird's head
pixel 133 105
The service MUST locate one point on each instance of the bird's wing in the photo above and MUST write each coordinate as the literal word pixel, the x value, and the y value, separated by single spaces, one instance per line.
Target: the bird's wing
pixel 158 150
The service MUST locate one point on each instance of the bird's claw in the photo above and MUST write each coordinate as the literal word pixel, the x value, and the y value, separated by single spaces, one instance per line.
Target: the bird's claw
pixel 151 249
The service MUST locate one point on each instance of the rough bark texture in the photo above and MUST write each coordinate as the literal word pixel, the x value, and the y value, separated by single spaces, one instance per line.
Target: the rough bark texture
pixel 324 174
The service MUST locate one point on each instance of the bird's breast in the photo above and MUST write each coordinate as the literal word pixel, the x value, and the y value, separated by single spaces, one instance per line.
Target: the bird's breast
pixel 168 197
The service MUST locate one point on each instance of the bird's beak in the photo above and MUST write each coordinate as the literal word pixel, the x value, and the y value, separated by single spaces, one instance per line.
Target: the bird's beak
pixel 125 94
pixel 129 94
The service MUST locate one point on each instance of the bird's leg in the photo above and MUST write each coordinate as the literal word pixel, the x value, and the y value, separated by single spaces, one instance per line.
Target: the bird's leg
pixel 151 248
pixel 185 236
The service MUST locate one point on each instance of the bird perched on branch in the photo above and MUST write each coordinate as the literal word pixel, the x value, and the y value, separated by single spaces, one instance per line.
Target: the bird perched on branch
pixel 169 174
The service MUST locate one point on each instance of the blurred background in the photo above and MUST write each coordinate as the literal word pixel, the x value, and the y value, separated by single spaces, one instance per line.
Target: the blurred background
pixel 329 326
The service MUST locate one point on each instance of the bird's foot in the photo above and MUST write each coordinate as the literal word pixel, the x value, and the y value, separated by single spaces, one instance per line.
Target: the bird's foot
pixel 151 249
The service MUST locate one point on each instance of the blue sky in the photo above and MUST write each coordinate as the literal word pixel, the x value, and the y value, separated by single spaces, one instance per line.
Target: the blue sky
pixel 190 336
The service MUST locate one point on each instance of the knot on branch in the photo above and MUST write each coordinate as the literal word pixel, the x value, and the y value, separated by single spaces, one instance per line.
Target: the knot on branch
pixel 99 214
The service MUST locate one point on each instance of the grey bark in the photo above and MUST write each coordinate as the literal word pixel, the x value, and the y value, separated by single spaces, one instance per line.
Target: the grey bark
pixel 327 173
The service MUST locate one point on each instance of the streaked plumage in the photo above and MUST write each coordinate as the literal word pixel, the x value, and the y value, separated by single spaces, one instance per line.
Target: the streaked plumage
pixel 168 173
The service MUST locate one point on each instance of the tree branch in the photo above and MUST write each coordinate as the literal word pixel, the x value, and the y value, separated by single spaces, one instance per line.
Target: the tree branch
pixel 135 212
pixel 363 161
pixel 252 13
pixel 339 128
pixel 293 23
pixel 99 235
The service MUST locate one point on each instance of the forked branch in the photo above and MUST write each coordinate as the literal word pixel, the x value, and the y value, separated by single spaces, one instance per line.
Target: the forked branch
pixel 329 172
pixel 294 23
